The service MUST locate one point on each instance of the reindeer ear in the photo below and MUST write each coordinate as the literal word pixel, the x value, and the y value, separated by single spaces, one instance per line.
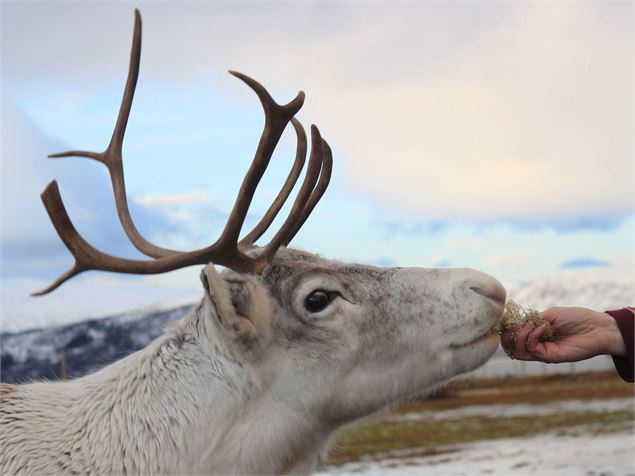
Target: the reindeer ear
pixel 217 291
pixel 231 302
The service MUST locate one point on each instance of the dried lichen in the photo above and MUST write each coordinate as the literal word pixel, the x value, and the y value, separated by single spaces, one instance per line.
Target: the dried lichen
pixel 516 316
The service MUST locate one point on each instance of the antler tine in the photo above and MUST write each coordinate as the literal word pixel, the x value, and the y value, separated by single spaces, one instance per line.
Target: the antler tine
pixel 276 119
pixel 310 179
pixel 112 156
pixel 58 282
pixel 318 191
pixel 116 141
pixel 89 258
pixel 86 257
pixel 66 231
pixel 284 193
pixel 99 156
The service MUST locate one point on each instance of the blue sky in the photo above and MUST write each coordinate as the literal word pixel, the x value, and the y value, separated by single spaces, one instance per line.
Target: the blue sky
pixel 496 136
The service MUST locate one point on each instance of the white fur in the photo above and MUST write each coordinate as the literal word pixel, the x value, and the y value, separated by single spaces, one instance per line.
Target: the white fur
pixel 249 384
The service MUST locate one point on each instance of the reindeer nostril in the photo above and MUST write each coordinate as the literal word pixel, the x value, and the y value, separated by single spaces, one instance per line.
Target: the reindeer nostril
pixel 494 293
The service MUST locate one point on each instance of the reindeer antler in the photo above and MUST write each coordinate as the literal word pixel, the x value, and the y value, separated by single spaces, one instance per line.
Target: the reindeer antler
pixel 227 250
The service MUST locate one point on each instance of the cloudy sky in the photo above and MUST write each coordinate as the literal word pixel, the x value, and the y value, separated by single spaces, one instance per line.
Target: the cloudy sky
pixel 494 135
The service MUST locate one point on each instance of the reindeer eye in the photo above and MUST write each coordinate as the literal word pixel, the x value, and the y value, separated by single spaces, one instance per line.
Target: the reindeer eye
pixel 317 300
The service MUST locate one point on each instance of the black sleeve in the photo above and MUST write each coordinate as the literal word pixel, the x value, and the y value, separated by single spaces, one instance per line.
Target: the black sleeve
pixel 624 364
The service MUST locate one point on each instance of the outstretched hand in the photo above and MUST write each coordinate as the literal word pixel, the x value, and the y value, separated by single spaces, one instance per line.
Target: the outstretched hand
pixel 579 334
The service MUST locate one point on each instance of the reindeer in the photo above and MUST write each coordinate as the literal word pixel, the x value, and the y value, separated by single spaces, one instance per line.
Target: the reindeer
pixel 284 349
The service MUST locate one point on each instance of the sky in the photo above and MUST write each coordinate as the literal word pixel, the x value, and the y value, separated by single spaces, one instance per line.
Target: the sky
pixel 489 135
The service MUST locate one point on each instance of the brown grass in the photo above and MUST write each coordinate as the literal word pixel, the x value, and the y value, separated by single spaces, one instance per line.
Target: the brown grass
pixel 535 389
pixel 432 437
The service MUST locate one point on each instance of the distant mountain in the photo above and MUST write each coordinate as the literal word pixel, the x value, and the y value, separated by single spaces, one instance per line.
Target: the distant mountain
pixel 596 288
pixel 86 346
pixel 90 344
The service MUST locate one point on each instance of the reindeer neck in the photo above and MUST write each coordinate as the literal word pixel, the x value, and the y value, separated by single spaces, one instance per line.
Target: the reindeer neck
pixel 180 406
pixel 268 436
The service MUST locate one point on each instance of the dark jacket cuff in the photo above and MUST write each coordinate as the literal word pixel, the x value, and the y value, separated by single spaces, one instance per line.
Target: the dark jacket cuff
pixel 624 364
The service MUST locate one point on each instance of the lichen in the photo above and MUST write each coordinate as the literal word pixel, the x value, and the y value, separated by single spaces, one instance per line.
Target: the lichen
pixel 516 316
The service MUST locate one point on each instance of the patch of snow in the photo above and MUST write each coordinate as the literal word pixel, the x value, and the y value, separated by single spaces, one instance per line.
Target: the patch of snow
pixel 523 409
pixel 501 366
pixel 549 454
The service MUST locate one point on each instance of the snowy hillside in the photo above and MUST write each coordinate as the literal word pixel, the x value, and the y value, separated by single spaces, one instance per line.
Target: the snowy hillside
pixel 86 345
pixel 595 288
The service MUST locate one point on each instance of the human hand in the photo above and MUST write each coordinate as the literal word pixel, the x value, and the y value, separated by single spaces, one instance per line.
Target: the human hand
pixel 579 334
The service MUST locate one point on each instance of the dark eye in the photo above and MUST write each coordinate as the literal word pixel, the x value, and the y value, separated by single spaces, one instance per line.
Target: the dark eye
pixel 317 300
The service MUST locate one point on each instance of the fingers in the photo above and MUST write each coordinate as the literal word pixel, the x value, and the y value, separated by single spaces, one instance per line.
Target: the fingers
pixel 534 337
pixel 508 340
pixel 514 342
pixel 520 348
pixel 552 313
pixel 536 347
pixel 526 344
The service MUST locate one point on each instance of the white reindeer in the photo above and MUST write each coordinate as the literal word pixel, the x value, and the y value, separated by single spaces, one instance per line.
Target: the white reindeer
pixel 284 349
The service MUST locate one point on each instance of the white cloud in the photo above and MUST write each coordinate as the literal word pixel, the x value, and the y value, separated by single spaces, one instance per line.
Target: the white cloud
pixel 532 120
pixel 471 111
pixel 84 298
pixel 171 200
pixel 468 243
pixel 30 245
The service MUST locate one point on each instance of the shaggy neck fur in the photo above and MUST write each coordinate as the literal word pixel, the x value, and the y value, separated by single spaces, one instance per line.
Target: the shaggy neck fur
pixel 181 405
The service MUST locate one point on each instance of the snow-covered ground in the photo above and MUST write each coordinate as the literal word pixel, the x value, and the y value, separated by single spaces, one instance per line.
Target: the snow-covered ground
pixel 549 454
pixel 523 409
pixel 502 366
pixel 590 450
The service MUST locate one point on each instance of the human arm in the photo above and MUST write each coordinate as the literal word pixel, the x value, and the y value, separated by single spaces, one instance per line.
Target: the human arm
pixel 579 334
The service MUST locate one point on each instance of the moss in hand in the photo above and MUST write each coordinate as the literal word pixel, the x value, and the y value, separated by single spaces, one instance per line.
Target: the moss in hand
pixel 515 317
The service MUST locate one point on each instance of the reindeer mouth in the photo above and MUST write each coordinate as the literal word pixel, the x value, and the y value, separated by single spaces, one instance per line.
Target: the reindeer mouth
pixel 483 337
pixel 495 297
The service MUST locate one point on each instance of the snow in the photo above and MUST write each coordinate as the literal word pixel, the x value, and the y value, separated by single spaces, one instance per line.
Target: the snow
pixel 502 366
pixel 549 454
pixel 525 409
pixel 586 450
pixel 596 288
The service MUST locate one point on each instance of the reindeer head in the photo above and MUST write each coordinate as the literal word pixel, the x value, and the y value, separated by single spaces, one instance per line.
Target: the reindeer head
pixel 344 339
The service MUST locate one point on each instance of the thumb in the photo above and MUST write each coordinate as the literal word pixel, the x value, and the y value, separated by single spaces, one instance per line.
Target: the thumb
pixel 551 314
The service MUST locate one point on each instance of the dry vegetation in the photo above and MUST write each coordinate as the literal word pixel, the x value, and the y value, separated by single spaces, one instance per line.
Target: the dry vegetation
pixel 427 436
pixel 516 316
